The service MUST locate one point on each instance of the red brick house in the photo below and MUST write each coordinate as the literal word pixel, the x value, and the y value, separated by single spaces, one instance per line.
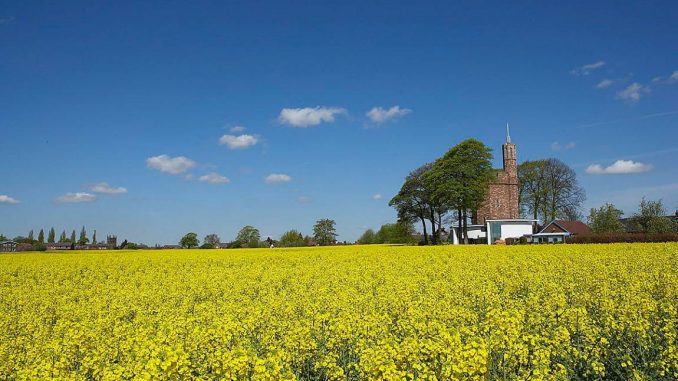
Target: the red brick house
pixel 557 230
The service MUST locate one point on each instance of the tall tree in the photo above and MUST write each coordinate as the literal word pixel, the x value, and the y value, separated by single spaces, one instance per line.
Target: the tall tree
pixel 51 235
pixel 606 219
pixel 189 240
pixel 62 237
pixel 532 187
pixel 83 237
pixel 324 232
pixel 41 236
pixel 73 236
pixel 460 179
pixel 414 202
pixel 212 240
pixel 248 236
pixel 30 236
pixel 549 190
pixel 94 238
pixel 651 217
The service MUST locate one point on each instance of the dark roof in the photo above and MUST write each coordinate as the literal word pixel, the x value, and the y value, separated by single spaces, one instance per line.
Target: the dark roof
pixel 572 227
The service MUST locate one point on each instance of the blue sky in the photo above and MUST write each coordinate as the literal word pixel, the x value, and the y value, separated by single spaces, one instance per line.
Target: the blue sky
pixel 140 96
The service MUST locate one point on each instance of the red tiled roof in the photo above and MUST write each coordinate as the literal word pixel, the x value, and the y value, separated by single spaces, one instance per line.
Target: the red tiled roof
pixel 574 227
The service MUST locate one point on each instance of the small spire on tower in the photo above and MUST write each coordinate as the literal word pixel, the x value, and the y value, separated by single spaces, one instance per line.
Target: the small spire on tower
pixel 508 135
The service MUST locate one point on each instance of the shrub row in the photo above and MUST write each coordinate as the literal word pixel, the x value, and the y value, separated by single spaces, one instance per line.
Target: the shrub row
pixel 623 237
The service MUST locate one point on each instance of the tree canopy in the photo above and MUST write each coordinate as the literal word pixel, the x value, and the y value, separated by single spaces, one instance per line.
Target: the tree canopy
pixel 190 240
pixel 651 217
pixel 248 236
pixel 324 232
pixel 292 238
pixel 549 190
pixel 606 219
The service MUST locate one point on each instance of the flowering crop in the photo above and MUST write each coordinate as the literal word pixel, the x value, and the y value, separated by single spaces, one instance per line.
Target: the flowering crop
pixel 343 313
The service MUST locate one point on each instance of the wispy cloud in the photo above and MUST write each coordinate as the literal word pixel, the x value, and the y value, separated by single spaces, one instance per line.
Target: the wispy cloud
pixel 555 146
pixel 276 178
pixel 5 199
pixel 77 197
pixel 380 115
pixel 604 84
pixel 377 196
pixel 632 93
pixel 304 200
pixel 214 178
pixel 103 187
pixel 309 116
pixel 588 68
pixel 238 142
pixel 619 167
pixel 171 165
pixel 237 129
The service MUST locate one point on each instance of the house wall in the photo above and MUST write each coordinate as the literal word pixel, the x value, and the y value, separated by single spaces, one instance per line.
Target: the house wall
pixel 511 229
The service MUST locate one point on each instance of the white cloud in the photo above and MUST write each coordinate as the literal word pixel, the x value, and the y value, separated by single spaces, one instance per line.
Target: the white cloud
pixel 237 129
pixel 674 76
pixel 103 187
pixel 588 68
pixel 5 199
pixel 171 165
pixel 76 197
pixel 381 115
pixel 238 142
pixel 304 200
pixel 619 167
pixel 309 116
pixel 214 178
pixel 276 178
pixel 604 84
pixel 555 146
pixel 632 93
pixel 377 196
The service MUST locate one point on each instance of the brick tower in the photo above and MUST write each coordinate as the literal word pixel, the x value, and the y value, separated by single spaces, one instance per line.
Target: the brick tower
pixel 502 195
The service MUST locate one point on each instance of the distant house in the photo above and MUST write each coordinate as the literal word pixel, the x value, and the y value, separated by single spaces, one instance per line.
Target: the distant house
pixel 556 231
pixel 58 246
pixel 222 245
pixel 8 246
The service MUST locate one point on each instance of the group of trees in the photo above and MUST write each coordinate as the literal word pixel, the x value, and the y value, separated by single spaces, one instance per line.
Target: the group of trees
pixel 324 233
pixel 549 190
pixel 39 242
pixel 650 219
pixel 401 232
pixel 456 184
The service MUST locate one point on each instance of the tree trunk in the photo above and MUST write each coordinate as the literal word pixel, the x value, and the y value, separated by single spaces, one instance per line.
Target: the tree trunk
pixel 433 227
pixel 423 223
pixel 460 231
pixel 465 229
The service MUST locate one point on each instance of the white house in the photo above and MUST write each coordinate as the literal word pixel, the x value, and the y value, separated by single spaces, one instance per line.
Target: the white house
pixel 497 230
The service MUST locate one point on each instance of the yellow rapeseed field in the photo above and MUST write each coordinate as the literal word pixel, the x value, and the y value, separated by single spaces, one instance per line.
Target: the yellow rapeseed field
pixel 343 313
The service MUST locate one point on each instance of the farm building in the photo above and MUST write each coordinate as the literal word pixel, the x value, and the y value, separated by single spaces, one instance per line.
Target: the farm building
pixel 8 246
pixel 556 231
